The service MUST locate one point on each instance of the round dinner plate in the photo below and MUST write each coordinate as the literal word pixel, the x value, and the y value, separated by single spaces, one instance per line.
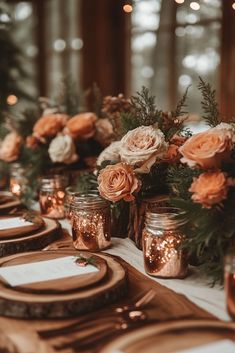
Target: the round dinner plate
pixel 36 223
pixel 169 337
pixel 62 285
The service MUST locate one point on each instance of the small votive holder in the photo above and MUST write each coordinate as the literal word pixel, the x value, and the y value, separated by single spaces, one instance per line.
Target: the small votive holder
pixel 91 222
pixel 18 181
pixel 162 245
pixel 51 196
pixel 229 281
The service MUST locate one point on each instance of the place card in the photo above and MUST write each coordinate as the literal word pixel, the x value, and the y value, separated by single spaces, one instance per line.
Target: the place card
pixel 13 222
pixel 44 271
pixel 215 347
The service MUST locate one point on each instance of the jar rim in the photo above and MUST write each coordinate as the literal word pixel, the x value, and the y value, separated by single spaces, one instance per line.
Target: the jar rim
pixel 88 200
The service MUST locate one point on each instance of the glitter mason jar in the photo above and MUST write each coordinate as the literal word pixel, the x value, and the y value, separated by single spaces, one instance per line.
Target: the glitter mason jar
pixel 18 181
pixel 91 223
pixel 162 240
pixel 229 281
pixel 71 193
pixel 51 196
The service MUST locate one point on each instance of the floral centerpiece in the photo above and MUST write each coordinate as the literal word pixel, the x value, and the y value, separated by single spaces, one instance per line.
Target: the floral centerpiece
pixel 58 135
pixel 205 188
pixel 135 165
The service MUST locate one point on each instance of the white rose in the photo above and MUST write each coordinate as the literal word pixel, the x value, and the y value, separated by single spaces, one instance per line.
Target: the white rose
pixel 110 153
pixel 62 150
pixel 142 146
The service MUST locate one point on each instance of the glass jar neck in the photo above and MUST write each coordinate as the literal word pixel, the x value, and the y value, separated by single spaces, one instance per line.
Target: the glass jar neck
pixel 88 201
pixel 163 218
pixel 53 183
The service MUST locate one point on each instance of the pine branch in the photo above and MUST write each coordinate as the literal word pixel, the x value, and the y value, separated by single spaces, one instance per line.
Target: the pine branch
pixel 209 103
pixel 181 105
pixel 68 98
pixel 144 108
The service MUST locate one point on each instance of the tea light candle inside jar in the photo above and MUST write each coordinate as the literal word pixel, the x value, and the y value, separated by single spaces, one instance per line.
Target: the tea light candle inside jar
pixel 229 282
pixel 17 179
pixel 91 223
pixel 51 196
pixel 162 240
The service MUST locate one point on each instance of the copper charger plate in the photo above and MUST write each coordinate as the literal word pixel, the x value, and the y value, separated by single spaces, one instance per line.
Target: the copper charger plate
pixel 36 221
pixel 62 285
pixel 174 336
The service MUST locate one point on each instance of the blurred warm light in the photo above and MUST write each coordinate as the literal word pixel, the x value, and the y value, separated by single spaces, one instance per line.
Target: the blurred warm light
pixel 12 99
pixel 59 45
pixel 127 8
pixel 195 5
pixel 179 1
pixel 233 5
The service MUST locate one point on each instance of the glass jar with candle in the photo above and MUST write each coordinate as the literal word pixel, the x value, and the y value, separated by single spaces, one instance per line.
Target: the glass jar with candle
pixel 91 222
pixel 18 181
pixel 162 242
pixel 51 196
pixel 229 281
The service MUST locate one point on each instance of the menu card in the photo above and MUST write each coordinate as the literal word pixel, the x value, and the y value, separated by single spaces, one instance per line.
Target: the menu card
pixel 44 271
pixel 13 222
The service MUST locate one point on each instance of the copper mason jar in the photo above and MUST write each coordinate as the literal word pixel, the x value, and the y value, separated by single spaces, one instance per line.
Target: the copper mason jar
pixel 162 245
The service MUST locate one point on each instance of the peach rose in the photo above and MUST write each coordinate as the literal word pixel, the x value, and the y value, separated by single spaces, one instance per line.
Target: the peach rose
pixel 81 125
pixel 117 182
pixel 207 149
pixel 142 146
pixel 50 125
pixel 210 188
pixel 104 132
pixel 10 147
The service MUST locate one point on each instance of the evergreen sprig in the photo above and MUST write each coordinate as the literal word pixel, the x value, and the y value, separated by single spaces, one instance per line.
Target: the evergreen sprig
pixel 209 103
pixel 144 108
pixel 68 97
pixel 86 182
pixel 181 105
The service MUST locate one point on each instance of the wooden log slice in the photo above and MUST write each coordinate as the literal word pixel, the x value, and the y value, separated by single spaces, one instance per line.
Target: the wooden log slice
pixel 36 222
pixel 14 303
pixel 63 285
pixel 35 241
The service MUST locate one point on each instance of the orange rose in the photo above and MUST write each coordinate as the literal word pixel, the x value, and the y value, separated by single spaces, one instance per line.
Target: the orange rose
pixel 31 142
pixel 210 188
pixel 81 125
pixel 117 182
pixel 207 149
pixel 172 154
pixel 10 147
pixel 50 125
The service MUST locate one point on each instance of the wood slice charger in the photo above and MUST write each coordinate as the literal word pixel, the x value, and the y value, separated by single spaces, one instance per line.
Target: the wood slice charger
pixel 8 201
pixel 36 240
pixel 66 297
pixel 36 222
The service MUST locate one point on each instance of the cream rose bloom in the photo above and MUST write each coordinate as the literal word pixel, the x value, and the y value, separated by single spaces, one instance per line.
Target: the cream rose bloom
pixel 10 147
pixel 117 182
pixel 210 188
pixel 142 146
pixel 228 128
pixel 110 153
pixel 62 150
pixel 207 149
